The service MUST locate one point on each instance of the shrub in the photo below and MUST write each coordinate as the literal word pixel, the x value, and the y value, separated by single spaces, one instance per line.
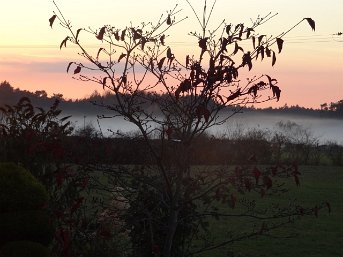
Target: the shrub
pixel 23 249
pixel 24 225
pixel 19 190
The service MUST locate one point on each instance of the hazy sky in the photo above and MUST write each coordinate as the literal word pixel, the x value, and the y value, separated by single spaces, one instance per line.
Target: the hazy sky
pixel 309 70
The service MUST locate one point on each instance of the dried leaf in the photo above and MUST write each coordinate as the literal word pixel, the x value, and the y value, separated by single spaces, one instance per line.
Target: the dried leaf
pixel 52 19
pixel 249 30
pixel 201 111
pixel 253 90
pixel 100 36
pixel 228 29
pixel 162 38
pixel 151 64
pixel 69 66
pixel 116 35
pixel 247 60
pixel 124 79
pixel 169 53
pixel 274 59
pixel 77 34
pixel 203 43
pixel 123 33
pixel 312 23
pixel 260 50
pixel 169 22
pixel 143 42
pixel 268 52
pixel 64 42
pixel 253 42
pixel 137 33
pixel 260 39
pixel 77 70
pixel 97 55
pixel 234 95
pixel 104 82
pixel 187 61
pixel 160 63
pixel 276 93
pixel 279 42
pixel 121 57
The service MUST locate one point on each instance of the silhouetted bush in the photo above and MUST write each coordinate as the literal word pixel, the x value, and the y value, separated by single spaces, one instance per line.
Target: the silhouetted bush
pixel 22 217
pixel 23 249
pixel 19 190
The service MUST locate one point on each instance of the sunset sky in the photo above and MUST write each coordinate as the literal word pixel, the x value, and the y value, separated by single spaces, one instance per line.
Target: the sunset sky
pixel 309 70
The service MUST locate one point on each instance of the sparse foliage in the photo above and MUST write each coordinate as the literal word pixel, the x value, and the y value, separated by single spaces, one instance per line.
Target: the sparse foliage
pixel 170 203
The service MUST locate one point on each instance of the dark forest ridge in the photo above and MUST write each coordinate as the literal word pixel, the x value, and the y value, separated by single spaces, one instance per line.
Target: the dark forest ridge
pixel 40 98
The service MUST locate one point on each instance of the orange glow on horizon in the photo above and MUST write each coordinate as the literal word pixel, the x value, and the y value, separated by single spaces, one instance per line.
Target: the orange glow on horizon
pixel 309 69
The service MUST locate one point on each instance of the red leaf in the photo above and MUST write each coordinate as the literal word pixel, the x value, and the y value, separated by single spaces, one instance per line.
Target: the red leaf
pixel 52 19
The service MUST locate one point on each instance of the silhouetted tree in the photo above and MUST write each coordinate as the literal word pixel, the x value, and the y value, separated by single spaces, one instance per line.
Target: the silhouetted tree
pixel 170 203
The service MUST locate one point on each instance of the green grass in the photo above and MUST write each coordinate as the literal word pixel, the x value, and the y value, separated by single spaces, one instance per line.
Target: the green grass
pixel 307 237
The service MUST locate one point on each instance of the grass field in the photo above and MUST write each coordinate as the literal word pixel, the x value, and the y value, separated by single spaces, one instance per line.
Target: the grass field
pixel 308 237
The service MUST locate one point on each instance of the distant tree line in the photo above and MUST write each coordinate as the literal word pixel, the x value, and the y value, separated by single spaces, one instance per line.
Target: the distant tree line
pixel 10 96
